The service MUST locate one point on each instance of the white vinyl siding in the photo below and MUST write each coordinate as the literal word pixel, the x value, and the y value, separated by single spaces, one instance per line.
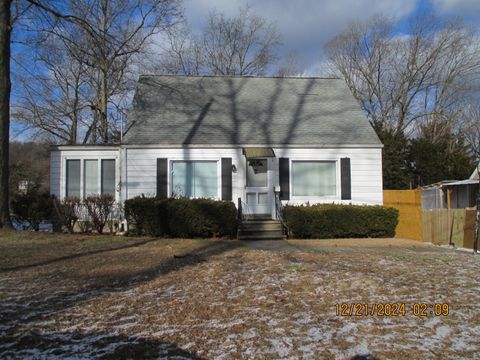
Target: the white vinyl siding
pixel 196 179
pixel 55 173
pixel 141 168
pixel 314 178
pixel 366 170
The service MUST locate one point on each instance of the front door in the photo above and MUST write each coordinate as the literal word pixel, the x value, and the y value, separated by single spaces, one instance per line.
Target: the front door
pixel 258 192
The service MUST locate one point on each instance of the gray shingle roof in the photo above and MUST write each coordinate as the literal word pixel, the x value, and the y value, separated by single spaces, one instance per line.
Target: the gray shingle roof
pixel 184 110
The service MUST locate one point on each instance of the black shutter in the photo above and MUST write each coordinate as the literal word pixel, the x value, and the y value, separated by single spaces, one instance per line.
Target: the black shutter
pixel 227 179
pixel 284 178
pixel 346 179
pixel 162 178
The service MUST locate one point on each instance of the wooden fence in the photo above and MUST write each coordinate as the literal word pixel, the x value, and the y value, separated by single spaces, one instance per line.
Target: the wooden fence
pixel 409 204
pixel 438 226
pixel 449 226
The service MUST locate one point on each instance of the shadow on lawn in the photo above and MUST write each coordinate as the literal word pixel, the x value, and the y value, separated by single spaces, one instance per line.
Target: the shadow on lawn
pixel 74 256
pixel 29 309
pixel 90 345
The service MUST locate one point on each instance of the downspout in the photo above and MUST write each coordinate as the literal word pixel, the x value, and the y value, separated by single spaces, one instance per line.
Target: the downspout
pixel 123 185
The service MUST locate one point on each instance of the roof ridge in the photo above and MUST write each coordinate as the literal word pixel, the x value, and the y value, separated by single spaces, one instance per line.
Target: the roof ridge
pixel 243 76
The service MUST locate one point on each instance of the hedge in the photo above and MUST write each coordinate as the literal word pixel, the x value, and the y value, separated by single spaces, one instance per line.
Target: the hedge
pixel 181 217
pixel 340 221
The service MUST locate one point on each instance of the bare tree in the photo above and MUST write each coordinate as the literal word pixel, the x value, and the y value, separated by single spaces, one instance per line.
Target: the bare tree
pixel 5 88
pixel 59 100
pixel 104 35
pixel 357 54
pixel 241 45
pixel 404 82
pixel 471 128
pixel 182 54
pixel 290 66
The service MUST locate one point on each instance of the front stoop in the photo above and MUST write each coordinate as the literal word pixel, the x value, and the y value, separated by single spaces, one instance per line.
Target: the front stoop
pixel 261 229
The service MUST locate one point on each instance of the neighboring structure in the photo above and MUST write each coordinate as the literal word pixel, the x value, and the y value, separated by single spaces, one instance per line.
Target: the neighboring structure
pixel 450 194
pixel 254 138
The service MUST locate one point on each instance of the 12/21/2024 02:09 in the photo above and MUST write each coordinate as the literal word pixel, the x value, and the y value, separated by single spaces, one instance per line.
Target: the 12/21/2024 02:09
pixel 392 309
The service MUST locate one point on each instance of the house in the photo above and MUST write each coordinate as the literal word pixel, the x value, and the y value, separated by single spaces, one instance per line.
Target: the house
pixel 303 140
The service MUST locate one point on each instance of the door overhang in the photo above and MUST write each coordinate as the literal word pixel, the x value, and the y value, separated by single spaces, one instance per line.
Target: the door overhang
pixel 258 152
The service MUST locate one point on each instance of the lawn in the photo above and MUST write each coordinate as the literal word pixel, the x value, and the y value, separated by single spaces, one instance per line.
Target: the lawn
pixel 113 297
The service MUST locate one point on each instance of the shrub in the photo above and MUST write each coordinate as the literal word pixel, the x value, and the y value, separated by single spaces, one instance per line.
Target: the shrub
pixel 340 221
pixel 66 213
pixel 32 207
pixel 201 218
pixel 146 215
pixel 181 217
pixel 99 208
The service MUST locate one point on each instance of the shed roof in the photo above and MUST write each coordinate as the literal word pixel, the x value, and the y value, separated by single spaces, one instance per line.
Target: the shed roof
pixel 223 110
pixel 475 173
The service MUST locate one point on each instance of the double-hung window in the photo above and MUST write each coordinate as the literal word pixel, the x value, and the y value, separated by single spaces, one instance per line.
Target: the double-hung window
pixel 86 177
pixel 90 176
pixel 107 183
pixel 73 178
pixel 194 179
pixel 314 178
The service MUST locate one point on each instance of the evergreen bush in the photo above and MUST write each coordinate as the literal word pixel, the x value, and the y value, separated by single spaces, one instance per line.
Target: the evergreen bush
pixel 181 217
pixel 340 221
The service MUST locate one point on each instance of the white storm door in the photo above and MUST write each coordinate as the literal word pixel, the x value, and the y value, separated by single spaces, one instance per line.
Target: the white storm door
pixel 258 192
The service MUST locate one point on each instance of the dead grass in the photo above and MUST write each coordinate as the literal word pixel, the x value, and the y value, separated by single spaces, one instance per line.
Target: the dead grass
pixel 111 297
pixel 363 243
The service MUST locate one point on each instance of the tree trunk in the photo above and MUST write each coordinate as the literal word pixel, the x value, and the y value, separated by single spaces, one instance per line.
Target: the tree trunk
pixel 5 86
pixel 103 77
pixel 103 106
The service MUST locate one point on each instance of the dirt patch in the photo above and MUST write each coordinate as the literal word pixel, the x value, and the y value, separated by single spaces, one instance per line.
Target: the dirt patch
pixel 225 300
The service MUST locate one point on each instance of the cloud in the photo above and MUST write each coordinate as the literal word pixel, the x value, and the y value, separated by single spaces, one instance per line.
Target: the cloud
pixel 305 25
pixel 459 7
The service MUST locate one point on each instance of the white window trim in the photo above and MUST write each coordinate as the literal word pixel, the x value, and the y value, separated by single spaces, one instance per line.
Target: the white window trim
pixel 170 174
pixel 82 158
pixel 338 189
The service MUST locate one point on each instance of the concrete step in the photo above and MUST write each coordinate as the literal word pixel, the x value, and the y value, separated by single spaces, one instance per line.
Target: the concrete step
pixel 260 217
pixel 275 232
pixel 266 221
pixel 261 227
pixel 260 237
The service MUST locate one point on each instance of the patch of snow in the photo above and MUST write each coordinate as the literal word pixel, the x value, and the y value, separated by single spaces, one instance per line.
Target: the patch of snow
pixel 443 331
pixel 281 347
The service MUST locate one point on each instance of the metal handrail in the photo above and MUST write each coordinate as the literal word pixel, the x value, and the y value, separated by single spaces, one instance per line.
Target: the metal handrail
pixel 244 211
pixel 247 212
pixel 279 211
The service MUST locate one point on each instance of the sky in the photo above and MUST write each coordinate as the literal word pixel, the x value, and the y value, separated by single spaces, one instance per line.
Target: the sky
pixel 306 25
